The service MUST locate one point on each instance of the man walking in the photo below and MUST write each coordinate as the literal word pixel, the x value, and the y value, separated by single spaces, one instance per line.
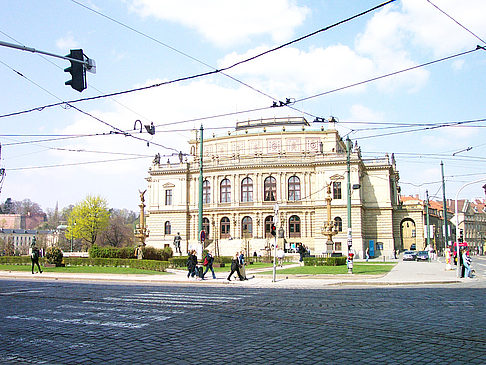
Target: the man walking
pixel 34 256
pixel 208 262
pixel 235 267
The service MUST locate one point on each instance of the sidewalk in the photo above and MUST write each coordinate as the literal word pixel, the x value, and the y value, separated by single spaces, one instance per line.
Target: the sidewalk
pixel 404 273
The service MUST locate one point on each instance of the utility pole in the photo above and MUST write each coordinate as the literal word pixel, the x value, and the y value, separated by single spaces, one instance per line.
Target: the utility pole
pixel 427 215
pixel 446 237
pixel 274 230
pixel 348 173
pixel 200 212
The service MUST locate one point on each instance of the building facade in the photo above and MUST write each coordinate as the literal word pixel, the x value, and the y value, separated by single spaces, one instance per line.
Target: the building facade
pixel 287 162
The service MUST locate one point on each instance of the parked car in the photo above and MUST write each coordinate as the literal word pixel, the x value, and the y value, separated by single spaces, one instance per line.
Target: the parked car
pixel 423 256
pixel 409 256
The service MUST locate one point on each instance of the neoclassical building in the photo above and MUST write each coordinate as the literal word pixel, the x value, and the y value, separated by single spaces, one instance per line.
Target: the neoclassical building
pixel 261 163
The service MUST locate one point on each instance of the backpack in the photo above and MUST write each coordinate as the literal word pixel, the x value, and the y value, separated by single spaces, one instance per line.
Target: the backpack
pixel 206 262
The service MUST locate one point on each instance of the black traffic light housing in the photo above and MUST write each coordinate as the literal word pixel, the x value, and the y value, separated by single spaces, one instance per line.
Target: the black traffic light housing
pixel 273 230
pixel 77 70
pixel 461 236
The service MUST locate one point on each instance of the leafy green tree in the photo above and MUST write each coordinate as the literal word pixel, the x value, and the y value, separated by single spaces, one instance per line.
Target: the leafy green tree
pixel 88 219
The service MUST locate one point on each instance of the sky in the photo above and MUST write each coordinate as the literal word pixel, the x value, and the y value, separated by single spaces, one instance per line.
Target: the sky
pixel 137 43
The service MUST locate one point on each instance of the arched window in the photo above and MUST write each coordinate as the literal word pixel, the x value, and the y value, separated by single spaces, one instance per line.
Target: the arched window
pixel 225 227
pixel 268 226
pixel 167 228
pixel 294 188
pixel 246 227
pixel 294 226
pixel 225 192
pixel 247 190
pixel 270 189
pixel 205 226
pixel 206 192
pixel 338 224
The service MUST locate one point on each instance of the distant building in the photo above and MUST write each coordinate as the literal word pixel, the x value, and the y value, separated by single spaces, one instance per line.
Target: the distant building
pixel 20 240
pixel 18 221
pixel 283 161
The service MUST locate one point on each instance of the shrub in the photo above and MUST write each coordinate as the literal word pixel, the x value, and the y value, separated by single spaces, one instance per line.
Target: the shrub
pixel 151 253
pixel 54 256
pixel 178 261
pixel 154 265
pixel 324 261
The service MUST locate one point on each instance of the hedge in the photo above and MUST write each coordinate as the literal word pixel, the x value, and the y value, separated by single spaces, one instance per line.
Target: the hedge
pixel 324 261
pixel 154 265
pixel 149 253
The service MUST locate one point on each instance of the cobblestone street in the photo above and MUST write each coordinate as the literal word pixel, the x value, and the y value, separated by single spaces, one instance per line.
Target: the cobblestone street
pixel 59 323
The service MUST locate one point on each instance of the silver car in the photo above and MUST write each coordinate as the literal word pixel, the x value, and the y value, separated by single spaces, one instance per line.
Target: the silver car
pixel 409 256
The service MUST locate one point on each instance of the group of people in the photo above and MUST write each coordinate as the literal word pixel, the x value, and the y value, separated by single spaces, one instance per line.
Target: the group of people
pixel 194 271
pixel 464 261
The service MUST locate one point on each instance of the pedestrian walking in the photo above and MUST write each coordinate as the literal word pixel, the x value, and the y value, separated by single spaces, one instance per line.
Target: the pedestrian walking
pixel 235 267
pixel 301 252
pixel 466 259
pixel 208 262
pixel 34 257
pixel 191 264
pixel 367 254
pixel 280 256
pixel 177 243
pixel 242 264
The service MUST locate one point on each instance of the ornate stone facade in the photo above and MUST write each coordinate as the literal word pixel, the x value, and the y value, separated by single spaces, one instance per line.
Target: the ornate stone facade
pixel 266 162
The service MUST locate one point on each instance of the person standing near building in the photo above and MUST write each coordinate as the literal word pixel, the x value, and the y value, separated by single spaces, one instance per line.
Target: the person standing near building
pixel 191 264
pixel 208 262
pixel 367 254
pixel 34 256
pixel 235 267
pixel 177 243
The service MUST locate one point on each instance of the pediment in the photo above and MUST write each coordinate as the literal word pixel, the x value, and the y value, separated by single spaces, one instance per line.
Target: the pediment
pixel 168 186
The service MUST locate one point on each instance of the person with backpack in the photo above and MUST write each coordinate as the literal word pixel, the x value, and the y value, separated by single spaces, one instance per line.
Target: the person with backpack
pixel 235 267
pixel 241 259
pixel 191 263
pixel 208 262
pixel 34 257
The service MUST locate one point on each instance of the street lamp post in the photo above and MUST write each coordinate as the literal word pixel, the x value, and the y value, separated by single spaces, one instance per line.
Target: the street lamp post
pixel 457 218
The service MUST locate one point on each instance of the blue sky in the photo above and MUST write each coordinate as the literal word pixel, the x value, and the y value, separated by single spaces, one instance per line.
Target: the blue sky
pixel 151 41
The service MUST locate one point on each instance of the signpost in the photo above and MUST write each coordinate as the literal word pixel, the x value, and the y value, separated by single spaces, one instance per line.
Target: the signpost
pixel 275 221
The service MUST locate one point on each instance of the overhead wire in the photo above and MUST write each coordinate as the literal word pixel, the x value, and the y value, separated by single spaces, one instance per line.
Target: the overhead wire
pixel 204 74
pixel 455 21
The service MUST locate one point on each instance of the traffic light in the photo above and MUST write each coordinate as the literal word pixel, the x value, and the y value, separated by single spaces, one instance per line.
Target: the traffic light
pixel 77 70
pixel 461 236
pixel 273 230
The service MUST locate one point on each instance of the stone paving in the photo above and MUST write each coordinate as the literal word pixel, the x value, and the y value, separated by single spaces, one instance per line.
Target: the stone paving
pixel 62 322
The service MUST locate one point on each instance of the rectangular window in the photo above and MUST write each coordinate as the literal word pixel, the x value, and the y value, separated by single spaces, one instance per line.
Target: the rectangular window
pixel 336 190
pixel 168 197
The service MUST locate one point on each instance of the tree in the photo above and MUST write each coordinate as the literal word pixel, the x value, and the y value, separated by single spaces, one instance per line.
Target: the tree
pixel 120 232
pixel 88 219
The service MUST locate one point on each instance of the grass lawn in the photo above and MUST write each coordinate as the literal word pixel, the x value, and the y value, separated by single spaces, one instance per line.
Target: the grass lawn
pixel 82 269
pixel 359 268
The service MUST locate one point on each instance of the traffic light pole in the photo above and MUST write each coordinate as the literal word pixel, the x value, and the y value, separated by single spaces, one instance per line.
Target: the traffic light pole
pixel 89 63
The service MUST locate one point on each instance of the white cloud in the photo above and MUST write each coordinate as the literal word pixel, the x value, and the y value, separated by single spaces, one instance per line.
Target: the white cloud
pixel 296 73
pixel 225 22
pixel 67 42
pixel 361 113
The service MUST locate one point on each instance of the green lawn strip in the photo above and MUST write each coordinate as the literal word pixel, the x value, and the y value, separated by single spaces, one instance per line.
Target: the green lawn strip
pixel 358 268
pixel 83 269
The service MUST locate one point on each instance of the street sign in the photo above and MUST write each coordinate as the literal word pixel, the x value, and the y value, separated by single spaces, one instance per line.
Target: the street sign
pixel 202 235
